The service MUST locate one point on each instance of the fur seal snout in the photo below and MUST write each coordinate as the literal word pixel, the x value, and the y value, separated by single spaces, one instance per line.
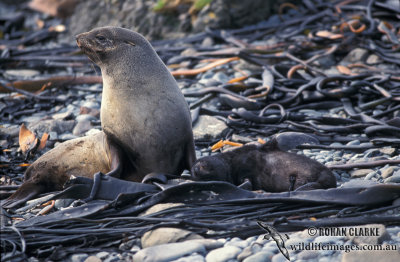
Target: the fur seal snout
pixel 266 167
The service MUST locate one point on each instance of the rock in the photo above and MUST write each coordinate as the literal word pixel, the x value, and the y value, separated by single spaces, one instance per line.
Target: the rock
pixel 307 254
pixel 90 111
pixel 355 56
pixel 223 254
pixel 67 136
pixel 220 77
pixel 367 234
pixel 164 235
pixel 209 127
pixel 50 125
pixel 237 242
pixel 354 143
pixel 85 118
pixel 262 256
pixel 92 259
pixel 373 60
pixel 168 252
pixel 102 255
pixel 114 257
pixel 81 127
pixel 21 73
pixel 279 258
pixel 327 239
pixel 371 175
pixel 159 207
pixel 247 251
pixel 390 151
pixel 360 173
pixel 63 116
pixel 393 179
pixel 192 258
pixel 371 256
pixel 78 257
pixel 387 172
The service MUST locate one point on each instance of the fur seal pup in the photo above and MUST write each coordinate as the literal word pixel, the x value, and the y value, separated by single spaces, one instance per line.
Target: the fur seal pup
pixel 82 156
pixel 266 167
pixel 143 110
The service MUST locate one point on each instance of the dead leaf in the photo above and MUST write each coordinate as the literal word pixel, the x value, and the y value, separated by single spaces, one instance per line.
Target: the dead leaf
pixel 43 141
pixel 27 139
pixel 344 70
pixel 329 35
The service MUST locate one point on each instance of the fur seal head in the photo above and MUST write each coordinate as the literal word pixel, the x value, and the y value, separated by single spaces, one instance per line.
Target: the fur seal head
pixel 104 44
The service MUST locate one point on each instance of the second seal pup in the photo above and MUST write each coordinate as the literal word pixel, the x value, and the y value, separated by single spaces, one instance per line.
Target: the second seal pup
pixel 266 167
pixel 143 110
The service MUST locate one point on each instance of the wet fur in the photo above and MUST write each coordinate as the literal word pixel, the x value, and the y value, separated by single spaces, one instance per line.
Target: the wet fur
pixel 266 167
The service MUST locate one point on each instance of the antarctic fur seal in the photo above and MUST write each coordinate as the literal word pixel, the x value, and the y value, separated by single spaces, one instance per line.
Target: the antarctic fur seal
pixel 143 110
pixel 266 167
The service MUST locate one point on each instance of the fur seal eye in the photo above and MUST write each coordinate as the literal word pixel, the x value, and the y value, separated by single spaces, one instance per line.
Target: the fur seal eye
pixel 100 38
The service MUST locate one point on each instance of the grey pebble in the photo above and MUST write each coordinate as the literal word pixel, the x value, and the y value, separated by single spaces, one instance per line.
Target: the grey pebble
pixel 387 172
pixel 78 257
pixel 223 254
pixel 353 143
pixel 327 239
pixel 263 256
pixel 279 258
pixel 192 258
pixel 209 127
pixel 102 255
pixel 307 254
pixel 168 252
pixel 393 179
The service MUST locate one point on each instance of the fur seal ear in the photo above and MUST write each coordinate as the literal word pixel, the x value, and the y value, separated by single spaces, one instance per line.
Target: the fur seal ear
pixel 129 43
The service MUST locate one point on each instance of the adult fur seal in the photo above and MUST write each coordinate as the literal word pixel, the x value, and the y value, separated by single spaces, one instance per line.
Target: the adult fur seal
pixel 144 116
pixel 266 167
pixel 143 110
pixel 82 156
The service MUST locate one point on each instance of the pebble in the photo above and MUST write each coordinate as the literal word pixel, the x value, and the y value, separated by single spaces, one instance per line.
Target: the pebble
pixel 263 256
pixel 360 173
pixel 353 143
pixel 102 255
pixel 247 251
pixel 223 254
pixel 279 258
pixel 372 256
pixel 78 257
pixel 387 172
pixel 165 235
pixel 393 179
pixel 92 259
pixel 307 254
pixel 209 127
pixel 192 258
pixel 380 230
pixel 168 252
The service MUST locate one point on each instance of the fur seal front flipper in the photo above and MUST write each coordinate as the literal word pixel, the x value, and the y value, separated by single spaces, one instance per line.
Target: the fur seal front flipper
pixel 78 157
pixel 142 109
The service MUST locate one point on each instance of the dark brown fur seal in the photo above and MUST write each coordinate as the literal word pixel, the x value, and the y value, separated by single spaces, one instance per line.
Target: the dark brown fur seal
pixel 142 109
pixel 266 167
pixel 144 116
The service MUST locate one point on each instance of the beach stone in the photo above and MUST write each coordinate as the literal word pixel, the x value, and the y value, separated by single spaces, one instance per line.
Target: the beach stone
pixel 373 59
pixel 165 235
pixel 390 151
pixel 114 257
pixel 192 258
pixel 81 127
pixel 387 172
pixel 50 125
pixel 102 255
pixel 354 143
pixel 355 55
pixel 223 254
pixel 395 178
pixel 78 257
pixel 278 258
pixel 360 173
pixel 382 234
pixel 63 116
pixel 168 252
pixel 307 254
pixel 263 256
pixel 209 127
pixel 327 239
pixel 371 256
pixel 237 242
pixel 21 73
pixel 92 259
pixel 247 251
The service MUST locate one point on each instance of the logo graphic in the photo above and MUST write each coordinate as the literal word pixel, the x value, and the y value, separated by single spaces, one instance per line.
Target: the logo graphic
pixel 272 232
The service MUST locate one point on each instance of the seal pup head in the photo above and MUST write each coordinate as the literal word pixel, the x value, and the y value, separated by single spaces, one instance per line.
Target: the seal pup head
pixel 106 44
pixel 211 168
